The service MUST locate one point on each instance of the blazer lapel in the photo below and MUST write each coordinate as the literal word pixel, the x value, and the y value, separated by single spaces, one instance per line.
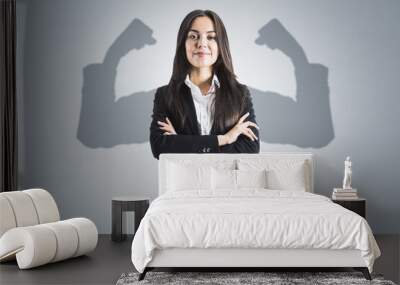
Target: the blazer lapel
pixel 191 110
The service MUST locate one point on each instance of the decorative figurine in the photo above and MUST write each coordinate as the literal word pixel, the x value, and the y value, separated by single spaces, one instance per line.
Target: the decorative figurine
pixel 347 174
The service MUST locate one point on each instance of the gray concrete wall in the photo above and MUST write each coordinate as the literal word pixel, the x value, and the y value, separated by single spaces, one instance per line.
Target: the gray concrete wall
pixel 324 77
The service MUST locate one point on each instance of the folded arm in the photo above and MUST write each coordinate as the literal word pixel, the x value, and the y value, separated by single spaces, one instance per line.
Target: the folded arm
pixel 245 143
pixel 181 143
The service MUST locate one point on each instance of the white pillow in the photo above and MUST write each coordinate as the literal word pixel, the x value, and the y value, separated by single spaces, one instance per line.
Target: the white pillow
pixel 251 178
pixel 223 179
pixel 203 162
pixel 181 177
pixel 228 179
pixel 282 174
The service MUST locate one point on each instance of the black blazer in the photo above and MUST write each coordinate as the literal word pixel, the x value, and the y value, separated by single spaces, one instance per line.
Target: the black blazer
pixel 188 138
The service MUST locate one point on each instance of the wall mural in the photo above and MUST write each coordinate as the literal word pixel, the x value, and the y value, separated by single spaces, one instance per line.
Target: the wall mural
pixel 304 122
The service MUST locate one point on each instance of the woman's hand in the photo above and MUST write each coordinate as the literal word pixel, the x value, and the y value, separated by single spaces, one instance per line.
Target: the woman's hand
pixel 167 127
pixel 240 128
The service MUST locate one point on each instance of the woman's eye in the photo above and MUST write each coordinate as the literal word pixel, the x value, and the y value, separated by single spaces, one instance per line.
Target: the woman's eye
pixel 192 37
pixel 211 38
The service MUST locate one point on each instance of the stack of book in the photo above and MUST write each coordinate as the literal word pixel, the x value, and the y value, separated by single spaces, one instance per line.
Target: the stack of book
pixel 344 194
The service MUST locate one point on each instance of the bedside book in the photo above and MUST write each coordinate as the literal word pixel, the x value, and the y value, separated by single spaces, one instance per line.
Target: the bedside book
pixel 341 190
pixel 344 198
pixel 344 194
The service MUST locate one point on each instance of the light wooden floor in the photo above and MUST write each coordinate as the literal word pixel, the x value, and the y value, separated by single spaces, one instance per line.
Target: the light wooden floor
pixel 111 259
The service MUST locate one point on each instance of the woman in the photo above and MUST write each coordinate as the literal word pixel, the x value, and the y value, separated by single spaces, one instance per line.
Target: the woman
pixel 203 108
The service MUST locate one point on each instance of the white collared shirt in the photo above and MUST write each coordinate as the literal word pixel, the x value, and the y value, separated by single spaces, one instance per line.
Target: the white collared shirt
pixel 203 104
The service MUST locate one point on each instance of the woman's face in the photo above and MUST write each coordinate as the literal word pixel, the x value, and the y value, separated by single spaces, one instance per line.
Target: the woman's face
pixel 201 43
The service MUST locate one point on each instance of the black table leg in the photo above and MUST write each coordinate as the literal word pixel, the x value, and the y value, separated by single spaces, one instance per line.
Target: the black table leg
pixel 140 211
pixel 118 208
pixel 116 231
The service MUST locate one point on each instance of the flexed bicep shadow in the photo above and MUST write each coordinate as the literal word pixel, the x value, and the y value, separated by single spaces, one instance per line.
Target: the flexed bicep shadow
pixel 107 122
pixel 306 121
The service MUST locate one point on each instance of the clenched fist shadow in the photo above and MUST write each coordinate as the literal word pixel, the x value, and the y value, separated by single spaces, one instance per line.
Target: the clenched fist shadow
pixel 107 122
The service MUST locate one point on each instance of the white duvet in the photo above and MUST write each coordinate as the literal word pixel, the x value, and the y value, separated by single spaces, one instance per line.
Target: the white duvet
pixel 251 218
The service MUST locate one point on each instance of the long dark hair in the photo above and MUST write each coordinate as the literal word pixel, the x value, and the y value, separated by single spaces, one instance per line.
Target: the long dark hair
pixel 230 97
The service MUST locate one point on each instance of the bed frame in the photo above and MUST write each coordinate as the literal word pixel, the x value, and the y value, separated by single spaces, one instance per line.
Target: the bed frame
pixel 246 259
pixel 242 259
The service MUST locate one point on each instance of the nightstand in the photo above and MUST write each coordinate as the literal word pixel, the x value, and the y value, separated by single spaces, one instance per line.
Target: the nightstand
pixel 138 204
pixel 358 205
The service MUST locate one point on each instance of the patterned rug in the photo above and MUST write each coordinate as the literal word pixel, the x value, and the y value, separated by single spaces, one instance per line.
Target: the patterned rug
pixel 244 278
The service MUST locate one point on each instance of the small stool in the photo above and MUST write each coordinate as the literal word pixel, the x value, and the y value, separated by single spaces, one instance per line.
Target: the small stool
pixel 138 204
pixel 358 205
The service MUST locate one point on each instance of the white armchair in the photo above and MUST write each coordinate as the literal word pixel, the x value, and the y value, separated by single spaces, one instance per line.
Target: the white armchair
pixel 31 230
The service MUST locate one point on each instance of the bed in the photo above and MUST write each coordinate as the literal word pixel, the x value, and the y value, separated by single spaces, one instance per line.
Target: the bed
pixel 247 210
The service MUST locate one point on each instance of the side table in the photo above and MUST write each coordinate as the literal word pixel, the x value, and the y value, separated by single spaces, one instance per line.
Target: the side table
pixel 138 204
pixel 358 205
